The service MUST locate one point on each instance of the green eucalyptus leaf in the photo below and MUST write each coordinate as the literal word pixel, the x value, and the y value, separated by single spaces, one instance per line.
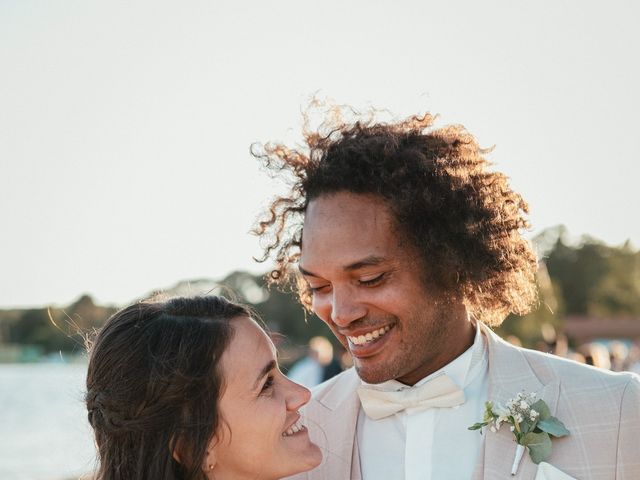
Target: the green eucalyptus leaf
pixel 539 445
pixel 542 408
pixel 525 426
pixel 534 425
pixel 477 426
pixel 553 426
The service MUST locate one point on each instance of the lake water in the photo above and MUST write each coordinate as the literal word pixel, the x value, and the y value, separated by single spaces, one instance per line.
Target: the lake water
pixel 44 433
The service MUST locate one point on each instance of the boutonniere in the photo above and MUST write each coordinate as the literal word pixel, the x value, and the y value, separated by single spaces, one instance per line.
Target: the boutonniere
pixel 531 423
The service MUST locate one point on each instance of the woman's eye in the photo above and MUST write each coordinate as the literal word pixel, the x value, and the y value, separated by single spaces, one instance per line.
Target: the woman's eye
pixel 268 384
pixel 372 281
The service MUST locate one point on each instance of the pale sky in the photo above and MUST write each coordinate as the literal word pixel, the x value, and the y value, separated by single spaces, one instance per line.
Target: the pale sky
pixel 125 126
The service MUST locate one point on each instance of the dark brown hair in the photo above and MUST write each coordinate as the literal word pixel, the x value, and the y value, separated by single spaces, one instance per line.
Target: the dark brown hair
pixel 153 387
pixel 462 218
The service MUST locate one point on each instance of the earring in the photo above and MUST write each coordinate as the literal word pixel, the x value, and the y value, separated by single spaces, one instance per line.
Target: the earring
pixel 210 467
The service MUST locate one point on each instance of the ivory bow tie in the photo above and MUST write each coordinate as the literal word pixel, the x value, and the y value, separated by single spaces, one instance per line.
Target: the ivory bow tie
pixel 438 392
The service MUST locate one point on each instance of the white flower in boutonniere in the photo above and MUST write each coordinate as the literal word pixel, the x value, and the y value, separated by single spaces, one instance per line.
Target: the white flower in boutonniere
pixel 531 423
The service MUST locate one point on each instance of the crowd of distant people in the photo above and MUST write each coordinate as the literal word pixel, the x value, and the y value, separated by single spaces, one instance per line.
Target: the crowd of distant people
pixel 614 355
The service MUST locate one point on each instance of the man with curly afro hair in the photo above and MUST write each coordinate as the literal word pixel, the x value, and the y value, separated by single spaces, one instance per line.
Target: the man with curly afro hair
pixel 405 242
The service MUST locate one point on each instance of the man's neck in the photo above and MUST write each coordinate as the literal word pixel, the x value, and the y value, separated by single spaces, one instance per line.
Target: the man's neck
pixel 464 339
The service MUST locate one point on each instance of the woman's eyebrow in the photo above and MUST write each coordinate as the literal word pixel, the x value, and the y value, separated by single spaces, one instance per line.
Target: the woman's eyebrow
pixel 266 369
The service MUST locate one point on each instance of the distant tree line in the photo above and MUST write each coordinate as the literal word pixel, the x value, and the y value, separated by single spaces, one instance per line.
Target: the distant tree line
pixel 54 329
pixel 588 278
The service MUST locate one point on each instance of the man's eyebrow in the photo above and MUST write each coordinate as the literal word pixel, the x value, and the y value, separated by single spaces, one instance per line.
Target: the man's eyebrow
pixel 306 272
pixel 266 369
pixel 371 260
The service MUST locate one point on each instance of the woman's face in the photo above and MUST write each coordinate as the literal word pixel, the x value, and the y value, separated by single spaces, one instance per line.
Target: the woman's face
pixel 260 434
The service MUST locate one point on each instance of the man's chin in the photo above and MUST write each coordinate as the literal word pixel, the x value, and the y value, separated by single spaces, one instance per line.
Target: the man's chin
pixel 371 375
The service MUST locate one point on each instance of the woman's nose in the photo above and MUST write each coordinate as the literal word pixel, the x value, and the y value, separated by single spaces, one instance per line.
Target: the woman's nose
pixel 298 396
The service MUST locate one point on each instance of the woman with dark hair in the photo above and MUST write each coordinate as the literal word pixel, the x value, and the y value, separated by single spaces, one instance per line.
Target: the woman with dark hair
pixel 189 389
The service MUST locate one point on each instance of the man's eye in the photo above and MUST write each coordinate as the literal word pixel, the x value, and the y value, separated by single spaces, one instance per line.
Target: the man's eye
pixel 268 384
pixel 372 281
pixel 318 288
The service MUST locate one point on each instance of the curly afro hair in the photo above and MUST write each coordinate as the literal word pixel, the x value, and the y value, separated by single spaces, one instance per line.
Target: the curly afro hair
pixel 463 219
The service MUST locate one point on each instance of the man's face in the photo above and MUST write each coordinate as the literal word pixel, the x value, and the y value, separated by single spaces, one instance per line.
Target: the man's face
pixel 367 286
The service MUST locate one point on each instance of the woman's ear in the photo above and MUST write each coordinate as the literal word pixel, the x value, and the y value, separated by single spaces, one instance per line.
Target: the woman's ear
pixel 209 461
pixel 176 449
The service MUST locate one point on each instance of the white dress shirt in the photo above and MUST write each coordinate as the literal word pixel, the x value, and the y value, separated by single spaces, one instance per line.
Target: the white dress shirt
pixel 433 443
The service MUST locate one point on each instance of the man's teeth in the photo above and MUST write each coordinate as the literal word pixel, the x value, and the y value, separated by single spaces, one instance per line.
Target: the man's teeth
pixel 295 428
pixel 370 336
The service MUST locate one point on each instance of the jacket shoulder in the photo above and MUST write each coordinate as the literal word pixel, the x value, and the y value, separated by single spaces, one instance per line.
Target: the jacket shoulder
pixel 579 379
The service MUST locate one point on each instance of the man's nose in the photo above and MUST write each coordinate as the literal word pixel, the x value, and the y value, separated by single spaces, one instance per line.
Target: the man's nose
pixel 345 307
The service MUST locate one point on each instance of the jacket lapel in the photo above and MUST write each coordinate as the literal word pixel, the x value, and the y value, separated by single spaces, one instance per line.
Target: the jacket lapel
pixel 510 373
pixel 336 411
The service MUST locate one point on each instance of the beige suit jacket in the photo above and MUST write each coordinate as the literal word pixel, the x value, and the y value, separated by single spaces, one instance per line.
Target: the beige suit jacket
pixel 601 410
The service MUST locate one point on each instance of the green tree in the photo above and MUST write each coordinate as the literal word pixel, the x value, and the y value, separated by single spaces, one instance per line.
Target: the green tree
pixel 597 279
pixel 589 278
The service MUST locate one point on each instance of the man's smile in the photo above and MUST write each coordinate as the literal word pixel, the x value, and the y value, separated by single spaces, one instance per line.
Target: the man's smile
pixel 370 343
pixel 369 336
